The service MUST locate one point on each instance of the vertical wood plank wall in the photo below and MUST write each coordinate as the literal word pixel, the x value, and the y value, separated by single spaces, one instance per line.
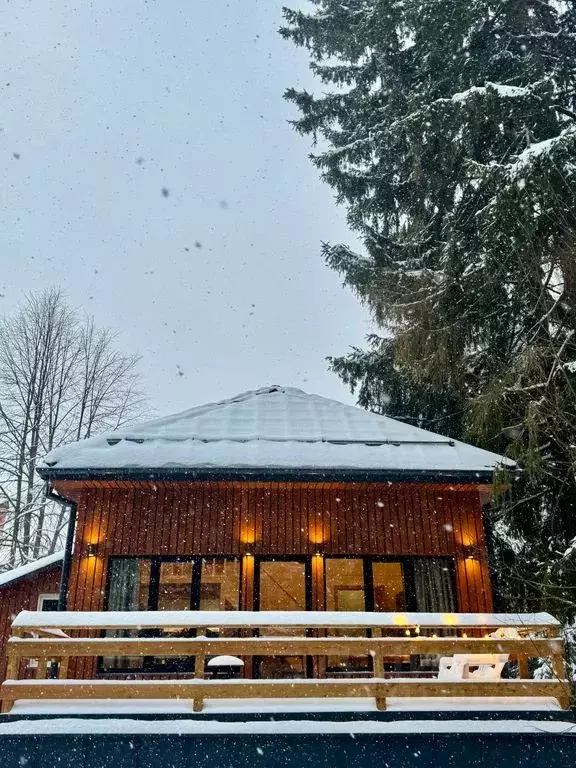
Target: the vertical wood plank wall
pixel 22 595
pixel 221 518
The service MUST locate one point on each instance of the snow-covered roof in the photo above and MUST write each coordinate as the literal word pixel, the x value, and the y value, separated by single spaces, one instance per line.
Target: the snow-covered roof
pixel 15 574
pixel 274 427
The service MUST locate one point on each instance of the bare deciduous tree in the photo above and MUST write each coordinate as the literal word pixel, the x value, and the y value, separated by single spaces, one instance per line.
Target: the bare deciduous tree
pixel 61 379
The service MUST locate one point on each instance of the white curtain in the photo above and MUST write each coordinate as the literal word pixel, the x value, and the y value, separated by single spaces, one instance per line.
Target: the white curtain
pixel 433 585
pixel 123 595
pixel 124 585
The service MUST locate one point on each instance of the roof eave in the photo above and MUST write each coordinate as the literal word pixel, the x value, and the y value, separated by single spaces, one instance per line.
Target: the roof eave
pixel 278 474
pixel 31 574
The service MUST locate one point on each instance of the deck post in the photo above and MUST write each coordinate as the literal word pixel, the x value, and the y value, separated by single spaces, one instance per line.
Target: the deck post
pixel 378 669
pixel 12 673
pixel 199 664
pixel 523 667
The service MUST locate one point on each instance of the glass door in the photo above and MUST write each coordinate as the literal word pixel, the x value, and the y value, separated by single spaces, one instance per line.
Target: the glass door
pixel 174 587
pixel 283 585
pixel 345 580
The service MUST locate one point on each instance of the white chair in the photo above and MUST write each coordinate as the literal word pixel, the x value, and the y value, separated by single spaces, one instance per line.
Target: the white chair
pixel 477 666
pixel 472 666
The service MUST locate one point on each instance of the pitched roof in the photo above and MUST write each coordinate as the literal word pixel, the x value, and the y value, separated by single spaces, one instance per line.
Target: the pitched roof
pixel 30 569
pixel 271 428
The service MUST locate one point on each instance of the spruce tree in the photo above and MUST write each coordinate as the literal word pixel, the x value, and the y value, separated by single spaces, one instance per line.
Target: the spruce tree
pixel 448 130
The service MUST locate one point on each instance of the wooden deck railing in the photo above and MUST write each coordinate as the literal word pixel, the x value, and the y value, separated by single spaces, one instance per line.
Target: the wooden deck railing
pixel 538 636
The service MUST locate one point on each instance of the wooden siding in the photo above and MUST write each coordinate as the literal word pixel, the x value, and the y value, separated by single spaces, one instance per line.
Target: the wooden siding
pixel 22 595
pixel 223 518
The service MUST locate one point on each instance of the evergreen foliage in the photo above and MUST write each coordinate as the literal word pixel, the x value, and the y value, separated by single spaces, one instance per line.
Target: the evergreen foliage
pixel 448 130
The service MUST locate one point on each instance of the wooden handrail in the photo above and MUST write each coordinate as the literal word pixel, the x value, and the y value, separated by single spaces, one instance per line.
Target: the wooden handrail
pixel 280 646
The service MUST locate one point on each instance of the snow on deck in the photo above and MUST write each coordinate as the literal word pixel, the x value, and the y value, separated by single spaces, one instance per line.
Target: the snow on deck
pixel 274 427
pixel 30 568
pixel 137 619
pixel 277 727
pixel 285 706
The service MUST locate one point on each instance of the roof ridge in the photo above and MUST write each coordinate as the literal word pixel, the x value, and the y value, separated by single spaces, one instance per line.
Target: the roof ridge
pixel 200 410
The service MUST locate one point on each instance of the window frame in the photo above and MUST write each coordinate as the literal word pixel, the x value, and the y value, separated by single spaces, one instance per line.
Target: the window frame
pixel 407 569
pixel 46 596
pixel 305 559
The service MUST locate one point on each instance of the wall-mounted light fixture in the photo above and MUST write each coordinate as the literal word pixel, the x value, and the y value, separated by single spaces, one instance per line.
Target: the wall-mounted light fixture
pixel 91 550
pixel 470 552
pixel 247 549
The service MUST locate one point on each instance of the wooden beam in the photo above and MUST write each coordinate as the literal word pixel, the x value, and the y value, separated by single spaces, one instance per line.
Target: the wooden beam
pixel 220 689
pixel 282 646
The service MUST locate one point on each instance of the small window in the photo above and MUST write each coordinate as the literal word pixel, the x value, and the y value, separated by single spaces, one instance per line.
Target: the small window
pixel 45 603
pixel 48 602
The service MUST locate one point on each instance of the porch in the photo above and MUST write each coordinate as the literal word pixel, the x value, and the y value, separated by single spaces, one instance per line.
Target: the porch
pixel 382 655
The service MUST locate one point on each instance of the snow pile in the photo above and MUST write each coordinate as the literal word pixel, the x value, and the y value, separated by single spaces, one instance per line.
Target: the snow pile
pixel 275 727
pixel 537 150
pixel 506 91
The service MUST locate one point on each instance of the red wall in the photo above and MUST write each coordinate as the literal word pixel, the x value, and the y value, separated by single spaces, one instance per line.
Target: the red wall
pixel 22 595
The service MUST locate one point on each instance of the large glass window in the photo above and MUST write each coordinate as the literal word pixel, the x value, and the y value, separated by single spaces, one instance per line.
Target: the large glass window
pixel 345 591
pixel 128 590
pixel 220 585
pixel 345 584
pixel 129 584
pixel 433 585
pixel 175 589
pixel 175 586
pixel 169 584
pixel 388 587
pixel 282 586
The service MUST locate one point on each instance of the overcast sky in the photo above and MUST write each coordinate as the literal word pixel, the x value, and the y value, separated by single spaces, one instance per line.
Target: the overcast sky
pixel 218 282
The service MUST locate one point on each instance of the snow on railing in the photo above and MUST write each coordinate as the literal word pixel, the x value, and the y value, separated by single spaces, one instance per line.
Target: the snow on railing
pixel 306 619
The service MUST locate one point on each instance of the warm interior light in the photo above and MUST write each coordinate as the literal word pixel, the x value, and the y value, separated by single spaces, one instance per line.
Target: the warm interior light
pixel 400 620
pixel 449 618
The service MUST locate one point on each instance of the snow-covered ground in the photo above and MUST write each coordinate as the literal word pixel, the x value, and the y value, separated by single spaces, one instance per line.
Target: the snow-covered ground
pixel 278 727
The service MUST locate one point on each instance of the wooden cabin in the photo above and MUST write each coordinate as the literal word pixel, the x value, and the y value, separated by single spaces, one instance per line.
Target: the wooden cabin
pixel 272 500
